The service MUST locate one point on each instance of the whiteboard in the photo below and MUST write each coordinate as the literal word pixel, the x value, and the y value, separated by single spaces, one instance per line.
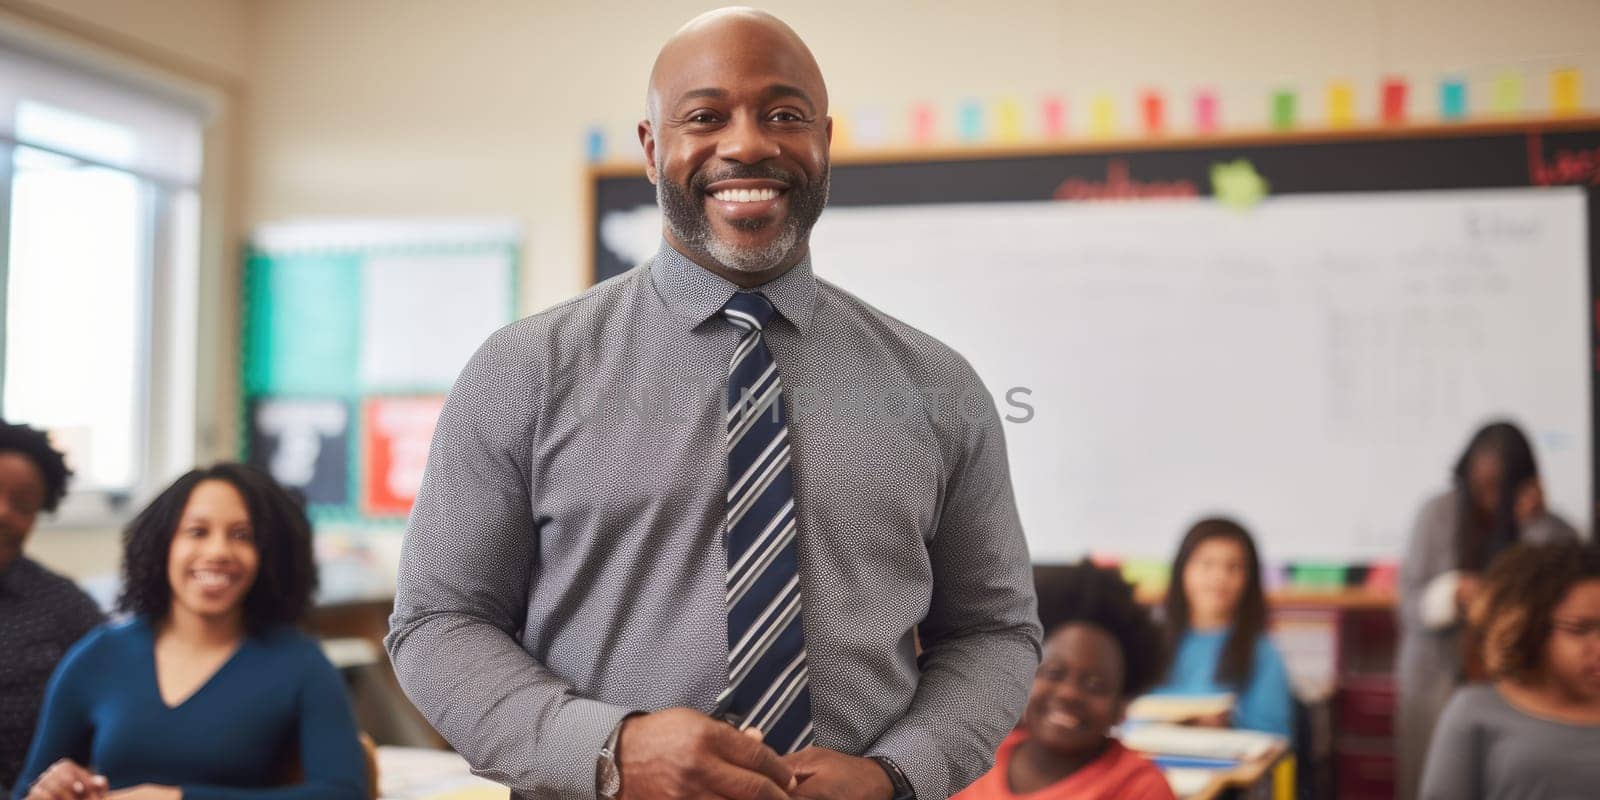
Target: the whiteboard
pixel 424 314
pixel 1312 366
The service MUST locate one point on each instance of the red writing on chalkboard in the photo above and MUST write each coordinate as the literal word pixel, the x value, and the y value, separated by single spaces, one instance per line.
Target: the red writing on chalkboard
pixel 1118 185
pixel 1564 167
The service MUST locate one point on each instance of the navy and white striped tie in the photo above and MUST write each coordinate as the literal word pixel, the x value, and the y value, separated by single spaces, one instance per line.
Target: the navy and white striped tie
pixel 768 683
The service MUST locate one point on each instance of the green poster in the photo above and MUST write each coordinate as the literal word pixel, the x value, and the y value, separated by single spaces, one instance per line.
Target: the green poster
pixel 302 323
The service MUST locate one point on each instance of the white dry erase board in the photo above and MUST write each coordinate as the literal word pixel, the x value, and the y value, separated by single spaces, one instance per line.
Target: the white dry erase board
pixel 1311 361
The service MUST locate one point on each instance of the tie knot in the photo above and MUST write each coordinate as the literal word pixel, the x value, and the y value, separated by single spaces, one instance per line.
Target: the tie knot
pixel 749 310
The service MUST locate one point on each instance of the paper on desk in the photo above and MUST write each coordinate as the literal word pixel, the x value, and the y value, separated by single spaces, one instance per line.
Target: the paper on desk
pixel 1178 707
pixel 474 793
pixel 1182 740
pixel 1188 781
pixel 416 773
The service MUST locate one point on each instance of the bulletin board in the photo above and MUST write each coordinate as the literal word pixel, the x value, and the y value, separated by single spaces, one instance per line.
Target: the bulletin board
pixel 353 333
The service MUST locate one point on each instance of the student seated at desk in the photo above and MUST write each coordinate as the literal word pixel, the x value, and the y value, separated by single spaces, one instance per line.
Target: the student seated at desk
pixel 207 692
pixel 1102 651
pixel 1534 733
pixel 1216 616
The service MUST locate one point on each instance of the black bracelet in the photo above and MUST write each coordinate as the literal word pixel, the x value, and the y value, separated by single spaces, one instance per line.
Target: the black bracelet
pixel 903 790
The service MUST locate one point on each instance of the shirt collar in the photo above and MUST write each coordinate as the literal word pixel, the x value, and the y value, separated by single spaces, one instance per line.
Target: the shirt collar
pixel 696 293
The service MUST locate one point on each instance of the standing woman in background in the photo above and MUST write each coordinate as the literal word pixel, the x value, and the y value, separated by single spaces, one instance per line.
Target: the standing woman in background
pixel 1496 501
pixel 1216 615
pixel 208 692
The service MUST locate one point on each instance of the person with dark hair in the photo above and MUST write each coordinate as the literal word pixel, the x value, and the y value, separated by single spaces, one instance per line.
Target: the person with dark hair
pixel 208 691
pixel 1102 651
pixel 1216 622
pixel 1533 733
pixel 1495 501
pixel 41 613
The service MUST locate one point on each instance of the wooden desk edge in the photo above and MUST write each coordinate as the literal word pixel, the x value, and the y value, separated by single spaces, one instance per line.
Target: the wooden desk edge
pixel 1353 599
pixel 1243 776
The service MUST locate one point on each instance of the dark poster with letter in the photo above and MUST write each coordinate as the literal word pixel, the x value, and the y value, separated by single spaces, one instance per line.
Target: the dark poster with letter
pixel 305 445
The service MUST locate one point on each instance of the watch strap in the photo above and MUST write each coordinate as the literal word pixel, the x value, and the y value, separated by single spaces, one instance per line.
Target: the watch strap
pixel 903 790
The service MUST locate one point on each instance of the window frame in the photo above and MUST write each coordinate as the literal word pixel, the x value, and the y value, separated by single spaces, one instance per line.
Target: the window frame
pixel 171 360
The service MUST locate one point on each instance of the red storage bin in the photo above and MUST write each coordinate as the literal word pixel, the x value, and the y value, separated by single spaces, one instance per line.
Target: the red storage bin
pixel 1369 638
pixel 1364 706
pixel 1364 775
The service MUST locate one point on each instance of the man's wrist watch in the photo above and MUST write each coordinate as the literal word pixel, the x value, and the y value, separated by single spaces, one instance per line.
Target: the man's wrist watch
pixel 607 774
pixel 897 778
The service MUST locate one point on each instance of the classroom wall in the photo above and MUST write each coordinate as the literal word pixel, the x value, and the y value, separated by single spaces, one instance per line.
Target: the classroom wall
pixel 208 37
pixel 480 107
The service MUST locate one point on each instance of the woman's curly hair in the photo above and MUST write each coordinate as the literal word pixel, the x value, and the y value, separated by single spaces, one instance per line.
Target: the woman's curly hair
pixel 1523 587
pixel 1085 593
pixel 34 445
pixel 285 579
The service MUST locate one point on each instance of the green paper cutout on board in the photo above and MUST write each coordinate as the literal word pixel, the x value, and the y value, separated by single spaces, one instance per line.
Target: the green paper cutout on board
pixel 1237 186
pixel 302 325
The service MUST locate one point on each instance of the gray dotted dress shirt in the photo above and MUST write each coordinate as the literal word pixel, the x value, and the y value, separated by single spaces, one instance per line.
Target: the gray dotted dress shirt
pixel 564 563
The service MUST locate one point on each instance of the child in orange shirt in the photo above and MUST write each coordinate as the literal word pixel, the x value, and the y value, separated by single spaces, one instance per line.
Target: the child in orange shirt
pixel 1102 651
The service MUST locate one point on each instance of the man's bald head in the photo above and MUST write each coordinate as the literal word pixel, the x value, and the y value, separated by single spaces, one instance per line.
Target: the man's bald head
pixel 712 35
pixel 736 136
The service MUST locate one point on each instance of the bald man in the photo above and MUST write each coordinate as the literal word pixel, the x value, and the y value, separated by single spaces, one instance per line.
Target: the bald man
pixel 680 536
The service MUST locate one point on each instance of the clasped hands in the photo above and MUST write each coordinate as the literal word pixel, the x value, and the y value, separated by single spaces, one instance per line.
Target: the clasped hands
pixel 680 753
pixel 68 780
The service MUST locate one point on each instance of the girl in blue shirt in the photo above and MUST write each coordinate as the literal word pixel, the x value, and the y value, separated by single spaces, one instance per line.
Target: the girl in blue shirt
pixel 1216 615
pixel 207 692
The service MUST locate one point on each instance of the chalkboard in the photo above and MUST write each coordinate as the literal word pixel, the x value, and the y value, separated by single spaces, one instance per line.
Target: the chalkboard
pixel 1472 187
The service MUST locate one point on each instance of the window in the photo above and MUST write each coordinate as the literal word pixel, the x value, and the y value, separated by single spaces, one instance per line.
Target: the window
pixel 98 239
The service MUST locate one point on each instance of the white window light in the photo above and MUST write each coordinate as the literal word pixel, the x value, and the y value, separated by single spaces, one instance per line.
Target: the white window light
pixel 99 225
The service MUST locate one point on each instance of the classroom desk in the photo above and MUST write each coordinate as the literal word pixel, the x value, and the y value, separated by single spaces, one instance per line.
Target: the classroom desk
pixel 1257 779
pixel 381 707
pixel 414 773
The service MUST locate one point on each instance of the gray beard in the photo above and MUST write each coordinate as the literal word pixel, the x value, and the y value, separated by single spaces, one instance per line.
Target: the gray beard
pixel 686 220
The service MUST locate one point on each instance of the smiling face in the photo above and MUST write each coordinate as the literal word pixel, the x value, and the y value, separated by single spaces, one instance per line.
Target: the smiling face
pixel 737 144
pixel 1077 692
pixel 213 560
pixel 22 495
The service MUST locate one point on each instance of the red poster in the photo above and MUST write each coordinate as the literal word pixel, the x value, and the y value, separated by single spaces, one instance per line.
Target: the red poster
pixel 397 432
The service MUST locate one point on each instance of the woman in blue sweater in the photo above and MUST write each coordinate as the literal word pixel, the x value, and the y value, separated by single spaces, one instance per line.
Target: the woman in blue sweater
pixel 207 692
pixel 1216 616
